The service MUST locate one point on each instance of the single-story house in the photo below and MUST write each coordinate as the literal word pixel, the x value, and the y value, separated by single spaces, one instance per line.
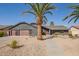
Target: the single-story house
pixel 22 29
pixel 74 30
pixel 58 29
pixel 25 29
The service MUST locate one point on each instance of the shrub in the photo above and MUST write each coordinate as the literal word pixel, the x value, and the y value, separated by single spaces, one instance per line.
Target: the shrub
pixel 2 34
pixel 13 44
pixel 76 35
pixel 43 33
pixel 70 35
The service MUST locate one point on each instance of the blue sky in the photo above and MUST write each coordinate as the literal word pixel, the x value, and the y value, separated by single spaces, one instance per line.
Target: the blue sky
pixel 12 14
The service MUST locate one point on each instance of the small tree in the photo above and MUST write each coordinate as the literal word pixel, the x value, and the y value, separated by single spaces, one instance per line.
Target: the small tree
pixel 2 34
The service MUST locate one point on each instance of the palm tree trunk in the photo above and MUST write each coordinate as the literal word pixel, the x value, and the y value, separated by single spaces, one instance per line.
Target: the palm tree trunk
pixel 39 31
pixel 39 28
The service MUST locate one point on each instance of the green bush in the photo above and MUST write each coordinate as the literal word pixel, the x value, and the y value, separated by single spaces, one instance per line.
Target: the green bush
pixel 70 35
pixel 13 44
pixel 76 35
pixel 43 33
pixel 2 34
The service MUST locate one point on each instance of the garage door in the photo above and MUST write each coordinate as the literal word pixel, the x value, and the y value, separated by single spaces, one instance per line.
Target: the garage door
pixel 25 32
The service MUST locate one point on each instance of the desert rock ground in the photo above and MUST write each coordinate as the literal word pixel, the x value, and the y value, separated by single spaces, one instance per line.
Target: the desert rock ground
pixel 53 46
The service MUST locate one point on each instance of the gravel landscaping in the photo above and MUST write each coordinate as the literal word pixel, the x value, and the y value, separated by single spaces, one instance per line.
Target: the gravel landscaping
pixel 52 46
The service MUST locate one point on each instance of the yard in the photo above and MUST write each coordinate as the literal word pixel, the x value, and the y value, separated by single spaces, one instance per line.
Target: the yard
pixel 53 46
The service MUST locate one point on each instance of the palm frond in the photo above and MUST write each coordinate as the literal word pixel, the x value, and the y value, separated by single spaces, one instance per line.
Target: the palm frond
pixel 45 6
pixel 50 8
pixel 48 12
pixel 76 19
pixel 71 19
pixel 33 6
pixel 74 6
pixel 40 9
pixel 65 18
pixel 75 12
pixel 45 18
pixel 37 6
pixel 44 22
pixel 72 14
pixel 30 12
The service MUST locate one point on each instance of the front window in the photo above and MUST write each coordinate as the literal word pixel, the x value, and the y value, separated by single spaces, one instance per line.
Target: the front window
pixel 17 32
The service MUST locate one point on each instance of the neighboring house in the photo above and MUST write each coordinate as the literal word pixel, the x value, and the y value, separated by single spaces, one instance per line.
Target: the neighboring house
pixel 74 30
pixel 22 29
pixel 57 29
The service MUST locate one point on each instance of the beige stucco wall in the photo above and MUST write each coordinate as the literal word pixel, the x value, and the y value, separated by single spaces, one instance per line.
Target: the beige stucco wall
pixel 25 32
pixel 13 32
pixel 74 31
pixel 22 32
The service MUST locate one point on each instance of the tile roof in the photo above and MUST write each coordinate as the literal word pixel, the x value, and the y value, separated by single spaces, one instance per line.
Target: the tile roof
pixel 12 26
pixel 7 27
pixel 20 24
pixel 57 27
pixel 3 26
pixel 44 27
pixel 77 26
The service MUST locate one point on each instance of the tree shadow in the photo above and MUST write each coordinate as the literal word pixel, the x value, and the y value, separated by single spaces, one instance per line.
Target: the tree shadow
pixel 18 46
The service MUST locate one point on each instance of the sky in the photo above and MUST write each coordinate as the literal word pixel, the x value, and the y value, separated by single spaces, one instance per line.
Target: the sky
pixel 11 14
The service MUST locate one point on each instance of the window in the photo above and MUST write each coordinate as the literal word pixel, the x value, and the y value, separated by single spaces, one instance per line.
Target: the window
pixel 17 32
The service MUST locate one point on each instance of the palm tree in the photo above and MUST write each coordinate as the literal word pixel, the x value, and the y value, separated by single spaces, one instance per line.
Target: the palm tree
pixel 40 10
pixel 74 15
